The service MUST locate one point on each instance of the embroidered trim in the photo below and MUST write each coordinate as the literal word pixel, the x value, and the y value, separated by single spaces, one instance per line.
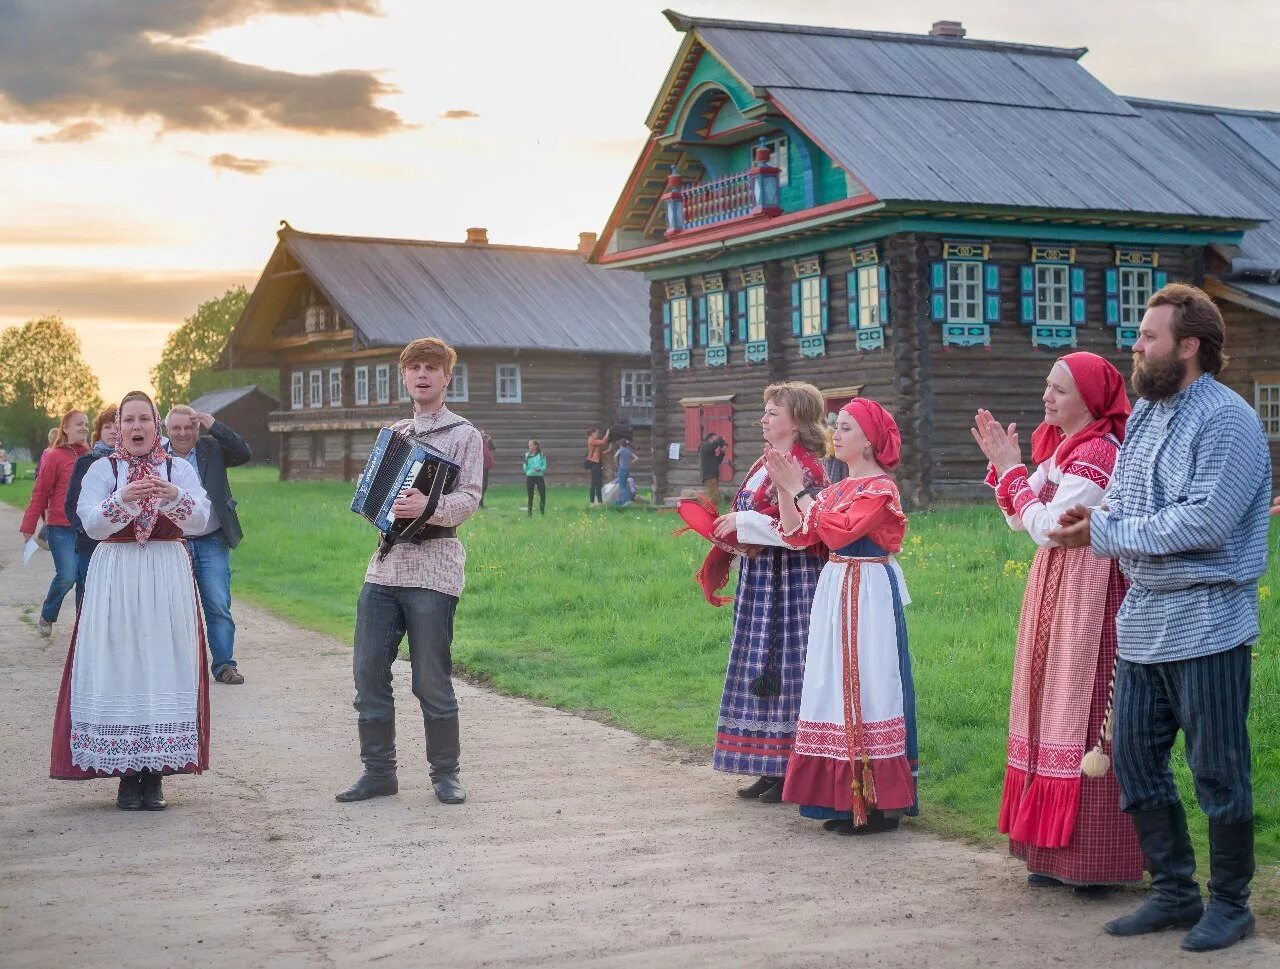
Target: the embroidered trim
pixel 1089 472
pixel 114 511
pixel 883 738
pixel 1052 760
pixel 182 508
pixel 155 746
pixel 760 726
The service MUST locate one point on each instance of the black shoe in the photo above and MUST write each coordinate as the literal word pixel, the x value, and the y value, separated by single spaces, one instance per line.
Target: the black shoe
pixel 876 823
pixel 1037 880
pixel 838 826
pixel 752 791
pixel 773 793
pixel 129 797
pixel 153 791
pixel 1175 897
pixel 444 747
pixel 378 754
pixel 1227 920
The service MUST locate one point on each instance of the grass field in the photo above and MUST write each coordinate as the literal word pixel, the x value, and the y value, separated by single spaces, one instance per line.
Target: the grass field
pixel 596 612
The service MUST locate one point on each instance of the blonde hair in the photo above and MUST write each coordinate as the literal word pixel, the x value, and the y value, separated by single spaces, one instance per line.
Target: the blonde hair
pixel 182 410
pixel 429 349
pixel 60 432
pixel 808 413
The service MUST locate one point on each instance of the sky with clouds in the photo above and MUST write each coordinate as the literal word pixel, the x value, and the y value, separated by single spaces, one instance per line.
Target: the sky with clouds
pixel 150 148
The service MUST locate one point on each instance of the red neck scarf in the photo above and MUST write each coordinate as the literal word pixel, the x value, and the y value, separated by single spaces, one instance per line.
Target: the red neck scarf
pixel 141 467
pixel 879 427
pixel 1102 388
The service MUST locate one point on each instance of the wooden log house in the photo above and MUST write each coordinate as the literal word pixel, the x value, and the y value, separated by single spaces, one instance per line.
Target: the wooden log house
pixel 247 411
pixel 928 220
pixel 547 346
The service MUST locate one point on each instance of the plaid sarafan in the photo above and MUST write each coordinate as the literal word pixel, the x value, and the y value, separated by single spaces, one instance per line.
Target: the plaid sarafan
pixel 754 735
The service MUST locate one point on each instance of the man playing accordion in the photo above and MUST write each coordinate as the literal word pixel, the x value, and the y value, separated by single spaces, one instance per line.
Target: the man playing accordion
pixel 413 588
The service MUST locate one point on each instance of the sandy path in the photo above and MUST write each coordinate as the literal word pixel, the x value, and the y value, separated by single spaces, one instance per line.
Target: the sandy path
pixel 580 845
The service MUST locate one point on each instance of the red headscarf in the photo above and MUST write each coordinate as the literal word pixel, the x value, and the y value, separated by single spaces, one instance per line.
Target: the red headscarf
pixel 1102 387
pixel 881 430
pixel 141 466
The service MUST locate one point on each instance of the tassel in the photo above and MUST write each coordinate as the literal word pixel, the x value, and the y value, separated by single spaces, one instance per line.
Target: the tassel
pixel 1095 763
pixel 859 806
pixel 868 780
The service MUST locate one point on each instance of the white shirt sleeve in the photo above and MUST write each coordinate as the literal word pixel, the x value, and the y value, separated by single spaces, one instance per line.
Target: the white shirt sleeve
pixel 1038 518
pixel 755 528
pixel 1036 480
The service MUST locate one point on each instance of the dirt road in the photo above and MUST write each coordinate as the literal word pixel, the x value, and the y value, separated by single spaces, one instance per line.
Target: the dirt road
pixel 580 845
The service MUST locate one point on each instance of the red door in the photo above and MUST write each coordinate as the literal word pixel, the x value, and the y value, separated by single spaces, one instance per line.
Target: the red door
pixel 718 418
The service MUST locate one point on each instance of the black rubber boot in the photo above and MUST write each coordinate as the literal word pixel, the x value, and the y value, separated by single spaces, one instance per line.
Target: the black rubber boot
pixel 443 750
pixel 1174 902
pixel 752 791
pixel 1227 920
pixel 129 797
pixel 153 791
pixel 378 754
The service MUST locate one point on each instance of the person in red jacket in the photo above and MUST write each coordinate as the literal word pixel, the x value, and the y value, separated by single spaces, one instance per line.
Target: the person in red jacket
pixel 48 500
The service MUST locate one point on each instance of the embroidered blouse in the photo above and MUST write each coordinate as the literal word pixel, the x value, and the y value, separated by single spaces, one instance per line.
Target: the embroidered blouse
pixel 851 509
pixel 102 513
pixel 1034 502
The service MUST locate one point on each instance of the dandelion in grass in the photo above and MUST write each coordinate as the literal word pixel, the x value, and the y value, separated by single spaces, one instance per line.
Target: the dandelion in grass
pixel 1264 593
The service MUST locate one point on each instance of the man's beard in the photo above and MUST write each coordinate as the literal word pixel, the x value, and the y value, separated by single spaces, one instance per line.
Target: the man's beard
pixel 1156 379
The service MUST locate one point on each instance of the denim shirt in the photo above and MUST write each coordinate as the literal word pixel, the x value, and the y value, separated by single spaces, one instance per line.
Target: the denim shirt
pixel 1187 516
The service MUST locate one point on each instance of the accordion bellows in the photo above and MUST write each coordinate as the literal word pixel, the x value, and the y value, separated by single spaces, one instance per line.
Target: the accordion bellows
pixel 396 463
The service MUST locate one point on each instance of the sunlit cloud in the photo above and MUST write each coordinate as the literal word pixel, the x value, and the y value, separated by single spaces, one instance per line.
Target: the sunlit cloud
pixel 244 166
pixel 75 133
pixel 458 114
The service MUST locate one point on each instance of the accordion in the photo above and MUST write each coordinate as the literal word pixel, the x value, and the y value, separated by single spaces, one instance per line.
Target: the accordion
pixel 396 463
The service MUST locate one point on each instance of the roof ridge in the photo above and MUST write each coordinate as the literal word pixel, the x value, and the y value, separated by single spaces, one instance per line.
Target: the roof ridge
pixel 1201 108
pixel 686 23
pixel 439 244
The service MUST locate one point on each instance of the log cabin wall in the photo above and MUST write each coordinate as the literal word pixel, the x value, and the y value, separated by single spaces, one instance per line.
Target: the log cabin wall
pixel 1008 377
pixel 1253 345
pixel 561 395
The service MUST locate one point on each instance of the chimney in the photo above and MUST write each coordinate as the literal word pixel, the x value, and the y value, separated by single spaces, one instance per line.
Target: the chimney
pixel 586 243
pixel 947 28
pixel 478 237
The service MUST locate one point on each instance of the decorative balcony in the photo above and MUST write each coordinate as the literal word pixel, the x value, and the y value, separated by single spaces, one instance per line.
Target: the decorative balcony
pixel 739 196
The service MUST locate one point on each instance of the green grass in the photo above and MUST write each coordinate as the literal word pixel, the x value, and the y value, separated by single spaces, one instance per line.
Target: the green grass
pixel 596 612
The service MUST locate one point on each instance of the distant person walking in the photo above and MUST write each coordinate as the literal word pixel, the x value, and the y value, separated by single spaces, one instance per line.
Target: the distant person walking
pixel 595 464
pixel 48 500
pixel 486 444
pixel 710 456
pixel 535 476
pixel 624 457
pixel 211 546
pixel 105 438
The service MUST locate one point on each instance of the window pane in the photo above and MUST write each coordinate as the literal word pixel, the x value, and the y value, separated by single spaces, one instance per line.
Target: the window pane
pixel 679 324
pixel 715 320
pixel 811 305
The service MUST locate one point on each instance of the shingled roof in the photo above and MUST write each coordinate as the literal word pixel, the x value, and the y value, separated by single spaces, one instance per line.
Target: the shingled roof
pixel 970 122
pixel 392 291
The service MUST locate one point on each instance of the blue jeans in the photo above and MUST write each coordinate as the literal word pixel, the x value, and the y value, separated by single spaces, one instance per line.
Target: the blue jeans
pixel 624 491
pixel 211 560
pixel 62 545
pixel 384 613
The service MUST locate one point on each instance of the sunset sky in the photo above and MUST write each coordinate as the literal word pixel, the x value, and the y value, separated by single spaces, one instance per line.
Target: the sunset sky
pixel 149 150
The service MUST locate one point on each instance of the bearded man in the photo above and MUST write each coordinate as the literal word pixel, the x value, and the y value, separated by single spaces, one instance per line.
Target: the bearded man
pixel 1186 515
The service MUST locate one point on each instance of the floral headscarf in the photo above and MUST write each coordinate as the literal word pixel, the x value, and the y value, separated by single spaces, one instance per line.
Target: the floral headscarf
pixel 141 466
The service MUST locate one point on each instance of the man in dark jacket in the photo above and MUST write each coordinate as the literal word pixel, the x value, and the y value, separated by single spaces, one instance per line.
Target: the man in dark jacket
pixel 710 455
pixel 211 455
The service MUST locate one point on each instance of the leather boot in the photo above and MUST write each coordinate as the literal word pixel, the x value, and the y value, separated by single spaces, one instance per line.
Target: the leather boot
pixel 443 750
pixel 129 797
pixel 752 791
pixel 1227 920
pixel 1174 901
pixel 378 754
pixel 153 791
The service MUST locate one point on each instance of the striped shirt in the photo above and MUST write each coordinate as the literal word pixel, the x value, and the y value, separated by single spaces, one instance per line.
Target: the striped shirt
pixel 1186 515
pixel 438 563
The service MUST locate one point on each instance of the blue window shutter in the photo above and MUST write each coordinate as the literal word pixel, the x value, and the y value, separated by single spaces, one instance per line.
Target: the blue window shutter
pixel 882 278
pixel 1111 287
pixel 851 284
pixel 991 277
pixel 1159 280
pixel 822 295
pixel 689 324
pixel 726 315
pixel 702 321
pixel 1078 309
pixel 938 292
pixel 1027 275
pixel 666 324
pixel 795 309
pixel 743 332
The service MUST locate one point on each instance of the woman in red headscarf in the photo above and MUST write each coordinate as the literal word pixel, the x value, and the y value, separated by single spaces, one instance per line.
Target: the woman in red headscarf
pixel 134 702
pixel 1061 805
pixel 854 761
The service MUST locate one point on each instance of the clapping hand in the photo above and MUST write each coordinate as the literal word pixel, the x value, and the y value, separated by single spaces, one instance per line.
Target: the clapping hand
pixel 1275 506
pixel 1073 527
pixel 784 471
pixel 148 487
pixel 999 444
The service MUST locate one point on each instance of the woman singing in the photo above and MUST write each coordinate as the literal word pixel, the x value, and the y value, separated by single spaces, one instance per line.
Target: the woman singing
pixel 1067 826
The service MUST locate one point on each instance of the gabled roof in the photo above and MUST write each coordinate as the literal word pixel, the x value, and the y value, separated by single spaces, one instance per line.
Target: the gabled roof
pixel 392 291
pixel 921 119
pixel 216 400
